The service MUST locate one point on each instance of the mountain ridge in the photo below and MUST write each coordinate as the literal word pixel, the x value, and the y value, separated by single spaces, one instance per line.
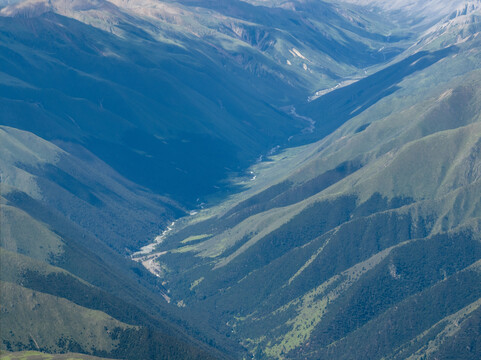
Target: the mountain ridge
pixel 350 235
pixel 330 246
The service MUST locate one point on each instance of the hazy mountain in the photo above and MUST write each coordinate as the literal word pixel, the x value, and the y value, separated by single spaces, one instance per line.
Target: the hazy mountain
pixel 430 9
pixel 328 153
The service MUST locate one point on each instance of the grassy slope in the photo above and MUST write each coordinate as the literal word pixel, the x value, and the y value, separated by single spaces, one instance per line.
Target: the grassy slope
pixel 29 316
pixel 36 231
pixel 83 188
pixel 163 94
pixel 156 111
pixel 61 293
pixel 55 194
pixel 20 233
pixel 329 269
pixel 36 355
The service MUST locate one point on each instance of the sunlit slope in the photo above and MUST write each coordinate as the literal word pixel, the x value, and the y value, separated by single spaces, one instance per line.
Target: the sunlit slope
pixel 36 355
pixel 76 184
pixel 373 230
pixel 47 308
pixel 109 110
pixel 48 320
pixel 60 217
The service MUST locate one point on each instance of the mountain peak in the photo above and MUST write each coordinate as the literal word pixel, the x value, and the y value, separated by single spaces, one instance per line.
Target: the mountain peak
pixel 427 10
pixel 33 8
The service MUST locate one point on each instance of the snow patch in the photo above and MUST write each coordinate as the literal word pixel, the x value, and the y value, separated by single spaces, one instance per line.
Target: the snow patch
pixel 320 93
pixel 148 249
pixel 297 53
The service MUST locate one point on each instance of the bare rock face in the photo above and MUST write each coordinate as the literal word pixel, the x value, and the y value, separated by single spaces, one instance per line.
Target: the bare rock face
pixel 33 8
pixel 431 10
pixel 27 9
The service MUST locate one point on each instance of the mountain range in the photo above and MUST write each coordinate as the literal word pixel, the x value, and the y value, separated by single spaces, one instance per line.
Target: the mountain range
pixel 261 179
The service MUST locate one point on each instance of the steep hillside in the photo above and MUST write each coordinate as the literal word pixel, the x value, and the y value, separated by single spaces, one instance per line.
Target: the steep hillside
pixel 360 241
pixel 158 89
pixel 108 112
pixel 302 42
pixel 364 245
pixel 135 115
pixel 36 355
pixel 79 186
pixel 64 219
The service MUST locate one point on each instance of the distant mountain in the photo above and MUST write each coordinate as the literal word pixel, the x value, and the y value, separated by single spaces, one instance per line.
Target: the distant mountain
pixel 430 9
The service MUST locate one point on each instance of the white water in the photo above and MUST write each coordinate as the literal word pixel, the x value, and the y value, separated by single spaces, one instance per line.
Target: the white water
pixel 312 124
pixel 148 249
pixel 148 257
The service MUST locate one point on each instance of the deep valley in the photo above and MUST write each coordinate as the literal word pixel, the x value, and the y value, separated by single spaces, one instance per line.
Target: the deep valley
pixel 245 179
